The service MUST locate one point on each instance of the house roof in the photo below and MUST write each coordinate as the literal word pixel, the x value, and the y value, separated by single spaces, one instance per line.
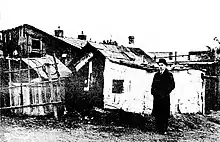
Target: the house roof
pixel 73 41
pixel 38 65
pixel 29 32
pixel 159 54
pixel 67 40
pixel 140 52
pixel 121 54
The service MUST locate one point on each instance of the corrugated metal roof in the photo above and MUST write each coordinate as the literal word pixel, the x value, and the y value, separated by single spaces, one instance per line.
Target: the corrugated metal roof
pixel 73 41
pixel 38 63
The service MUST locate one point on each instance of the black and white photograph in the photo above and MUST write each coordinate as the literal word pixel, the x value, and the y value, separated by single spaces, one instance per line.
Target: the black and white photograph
pixel 109 71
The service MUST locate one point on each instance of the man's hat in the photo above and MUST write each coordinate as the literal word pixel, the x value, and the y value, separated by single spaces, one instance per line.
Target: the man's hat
pixel 162 61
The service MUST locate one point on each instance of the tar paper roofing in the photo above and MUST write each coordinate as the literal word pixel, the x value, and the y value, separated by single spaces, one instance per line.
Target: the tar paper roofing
pixel 74 42
pixel 122 54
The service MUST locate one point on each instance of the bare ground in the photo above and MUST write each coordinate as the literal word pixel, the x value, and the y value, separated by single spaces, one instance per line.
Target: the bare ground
pixel 115 126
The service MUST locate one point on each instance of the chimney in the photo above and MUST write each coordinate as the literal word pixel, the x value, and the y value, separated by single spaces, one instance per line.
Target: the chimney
pixel 58 32
pixel 82 36
pixel 131 39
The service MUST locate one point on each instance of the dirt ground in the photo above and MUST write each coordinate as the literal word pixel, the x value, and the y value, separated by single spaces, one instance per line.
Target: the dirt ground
pixel 115 126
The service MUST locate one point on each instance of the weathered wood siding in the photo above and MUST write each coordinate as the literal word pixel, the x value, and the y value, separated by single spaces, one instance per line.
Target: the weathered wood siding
pixel 85 87
pixel 21 39
pixel 37 93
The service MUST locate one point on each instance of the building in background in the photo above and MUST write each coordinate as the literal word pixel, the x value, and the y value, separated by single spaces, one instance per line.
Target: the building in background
pixel 27 41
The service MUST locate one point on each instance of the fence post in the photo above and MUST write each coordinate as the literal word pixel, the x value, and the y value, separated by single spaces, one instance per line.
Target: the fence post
pixel 1 71
pixel 175 58
pixel 9 78
pixel 217 94
pixel 203 96
pixel 1 84
pixel 59 97
pixel 51 88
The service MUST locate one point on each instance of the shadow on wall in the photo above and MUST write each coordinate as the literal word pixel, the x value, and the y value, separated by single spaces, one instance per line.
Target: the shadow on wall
pixel 78 99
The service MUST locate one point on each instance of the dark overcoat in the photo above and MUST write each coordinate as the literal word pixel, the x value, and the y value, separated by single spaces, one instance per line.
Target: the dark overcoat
pixel 161 88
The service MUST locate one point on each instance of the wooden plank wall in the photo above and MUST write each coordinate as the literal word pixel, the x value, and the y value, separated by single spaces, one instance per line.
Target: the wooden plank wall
pixel 38 93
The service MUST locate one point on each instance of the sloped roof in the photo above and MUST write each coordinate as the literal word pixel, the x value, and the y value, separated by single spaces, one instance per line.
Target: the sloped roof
pixel 38 63
pixel 67 40
pixel 122 54
pixel 73 41
pixel 140 52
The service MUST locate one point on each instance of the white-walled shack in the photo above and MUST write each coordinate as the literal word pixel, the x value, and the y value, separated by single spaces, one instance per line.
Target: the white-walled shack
pixel 129 89
pixel 86 86
pixel 117 77
pixel 41 82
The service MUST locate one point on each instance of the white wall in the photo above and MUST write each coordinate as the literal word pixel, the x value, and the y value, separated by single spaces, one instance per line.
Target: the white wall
pixel 189 94
pixel 137 84
pixel 187 97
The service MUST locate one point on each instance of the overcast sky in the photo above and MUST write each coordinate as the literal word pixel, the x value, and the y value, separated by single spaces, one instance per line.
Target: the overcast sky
pixel 158 25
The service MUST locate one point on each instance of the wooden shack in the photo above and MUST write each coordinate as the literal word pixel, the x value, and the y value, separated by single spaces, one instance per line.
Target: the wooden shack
pixel 115 77
pixel 29 41
pixel 87 86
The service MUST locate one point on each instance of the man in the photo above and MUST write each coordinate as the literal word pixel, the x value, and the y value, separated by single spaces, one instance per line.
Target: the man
pixel 163 84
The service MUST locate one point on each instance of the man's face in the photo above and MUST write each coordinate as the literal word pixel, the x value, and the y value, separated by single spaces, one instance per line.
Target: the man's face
pixel 162 67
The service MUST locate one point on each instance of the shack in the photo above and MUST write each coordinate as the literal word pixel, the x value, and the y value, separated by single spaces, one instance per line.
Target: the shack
pixel 117 77
pixel 36 85
pixel 90 79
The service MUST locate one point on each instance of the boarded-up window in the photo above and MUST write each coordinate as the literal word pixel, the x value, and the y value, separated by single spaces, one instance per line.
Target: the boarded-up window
pixel 117 86
pixel 35 44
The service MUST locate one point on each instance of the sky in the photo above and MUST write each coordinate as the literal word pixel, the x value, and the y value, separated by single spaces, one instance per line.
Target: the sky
pixel 157 25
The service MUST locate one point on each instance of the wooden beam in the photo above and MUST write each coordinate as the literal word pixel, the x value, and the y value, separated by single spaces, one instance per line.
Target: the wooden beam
pixel 10 82
pixel 13 71
pixel 31 105
pixel 210 77
pixel 33 84
pixel 52 97
pixel 83 61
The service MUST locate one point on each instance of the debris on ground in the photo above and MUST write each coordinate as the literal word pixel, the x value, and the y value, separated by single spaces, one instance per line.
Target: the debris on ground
pixel 119 124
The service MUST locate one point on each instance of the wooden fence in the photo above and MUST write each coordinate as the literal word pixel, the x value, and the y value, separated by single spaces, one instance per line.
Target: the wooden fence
pixel 34 98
